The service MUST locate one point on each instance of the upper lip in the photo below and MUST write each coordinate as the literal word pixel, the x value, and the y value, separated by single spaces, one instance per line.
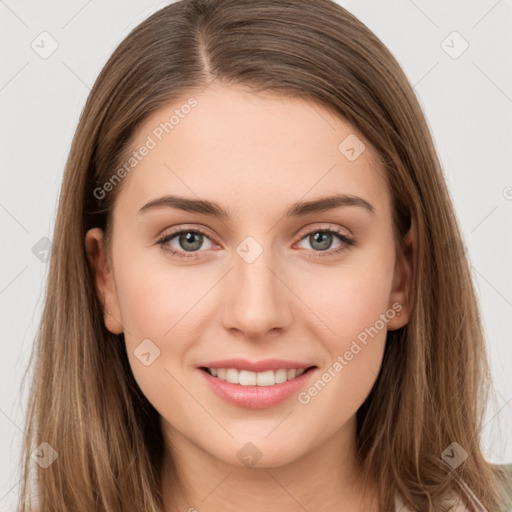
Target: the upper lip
pixel 256 366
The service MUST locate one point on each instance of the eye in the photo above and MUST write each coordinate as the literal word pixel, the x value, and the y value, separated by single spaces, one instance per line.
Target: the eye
pixel 321 239
pixel 189 240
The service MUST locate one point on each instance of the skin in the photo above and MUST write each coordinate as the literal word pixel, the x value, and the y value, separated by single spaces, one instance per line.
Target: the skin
pixel 254 155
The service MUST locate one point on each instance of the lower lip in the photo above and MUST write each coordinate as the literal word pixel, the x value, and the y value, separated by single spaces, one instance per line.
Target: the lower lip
pixel 256 397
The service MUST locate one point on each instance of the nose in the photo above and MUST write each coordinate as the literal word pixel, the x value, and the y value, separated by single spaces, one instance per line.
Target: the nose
pixel 257 301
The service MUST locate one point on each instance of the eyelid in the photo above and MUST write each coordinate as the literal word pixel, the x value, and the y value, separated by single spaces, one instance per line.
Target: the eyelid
pixel 204 231
pixel 186 227
pixel 322 226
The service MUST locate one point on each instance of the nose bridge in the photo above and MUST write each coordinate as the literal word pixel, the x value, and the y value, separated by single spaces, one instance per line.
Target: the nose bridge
pixel 258 299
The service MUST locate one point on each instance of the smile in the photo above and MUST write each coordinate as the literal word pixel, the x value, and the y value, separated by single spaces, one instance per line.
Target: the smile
pixel 256 390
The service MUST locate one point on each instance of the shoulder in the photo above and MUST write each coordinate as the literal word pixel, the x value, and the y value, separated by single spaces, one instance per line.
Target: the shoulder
pixel 506 471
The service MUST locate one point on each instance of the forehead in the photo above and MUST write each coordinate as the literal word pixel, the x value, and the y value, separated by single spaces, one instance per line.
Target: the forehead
pixel 244 147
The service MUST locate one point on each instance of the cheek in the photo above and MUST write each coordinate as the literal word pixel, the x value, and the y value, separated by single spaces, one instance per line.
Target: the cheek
pixel 154 301
pixel 354 309
pixel 157 314
pixel 156 297
pixel 350 299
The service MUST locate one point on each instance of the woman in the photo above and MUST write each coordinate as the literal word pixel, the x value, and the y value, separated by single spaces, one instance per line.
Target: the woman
pixel 256 369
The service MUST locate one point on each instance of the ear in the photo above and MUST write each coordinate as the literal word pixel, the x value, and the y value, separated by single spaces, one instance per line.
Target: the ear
pixel 399 299
pixel 104 279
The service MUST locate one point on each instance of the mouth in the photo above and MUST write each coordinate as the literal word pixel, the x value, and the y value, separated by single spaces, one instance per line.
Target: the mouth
pixel 261 379
pixel 256 390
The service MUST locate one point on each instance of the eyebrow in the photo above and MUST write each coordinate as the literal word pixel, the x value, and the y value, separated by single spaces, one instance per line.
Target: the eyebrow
pixel 299 209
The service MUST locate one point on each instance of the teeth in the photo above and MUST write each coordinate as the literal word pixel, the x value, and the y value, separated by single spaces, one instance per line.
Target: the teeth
pixel 247 378
pixel 232 376
pixel 281 376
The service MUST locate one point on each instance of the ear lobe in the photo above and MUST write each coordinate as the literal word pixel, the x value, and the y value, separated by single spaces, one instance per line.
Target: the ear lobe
pixel 402 280
pixel 104 279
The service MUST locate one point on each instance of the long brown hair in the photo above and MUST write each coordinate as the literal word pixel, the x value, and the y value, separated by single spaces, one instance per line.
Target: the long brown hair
pixel 434 381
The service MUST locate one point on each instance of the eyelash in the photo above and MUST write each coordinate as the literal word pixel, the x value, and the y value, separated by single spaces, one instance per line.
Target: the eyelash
pixel 346 240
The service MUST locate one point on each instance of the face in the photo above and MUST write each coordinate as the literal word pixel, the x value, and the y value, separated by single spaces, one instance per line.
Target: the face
pixel 266 285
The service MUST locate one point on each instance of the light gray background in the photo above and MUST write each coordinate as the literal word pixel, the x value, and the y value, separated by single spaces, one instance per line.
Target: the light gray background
pixel 467 100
